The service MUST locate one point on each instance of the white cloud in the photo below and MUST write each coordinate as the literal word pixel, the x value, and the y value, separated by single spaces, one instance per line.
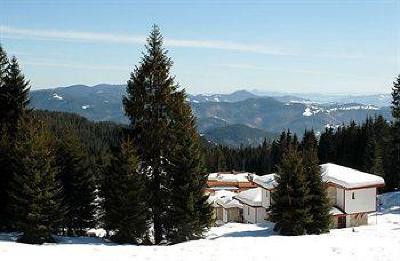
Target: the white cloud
pixel 23 33
pixel 77 66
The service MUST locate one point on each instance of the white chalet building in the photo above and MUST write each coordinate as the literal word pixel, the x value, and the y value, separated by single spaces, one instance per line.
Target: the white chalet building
pixel 352 193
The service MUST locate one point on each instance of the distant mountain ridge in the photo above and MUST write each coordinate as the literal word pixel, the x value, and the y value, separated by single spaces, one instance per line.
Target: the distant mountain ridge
pixel 244 112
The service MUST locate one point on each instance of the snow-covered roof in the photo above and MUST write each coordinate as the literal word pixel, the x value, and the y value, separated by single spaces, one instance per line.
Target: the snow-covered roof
pixel 229 177
pixel 335 211
pixel 266 181
pixel 228 202
pixel 219 195
pixel 250 197
pixel 348 177
pixel 223 188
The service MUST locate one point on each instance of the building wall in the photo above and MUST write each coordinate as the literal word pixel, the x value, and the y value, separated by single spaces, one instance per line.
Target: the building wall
pixel 360 200
pixel 253 214
pixel 331 193
pixel 219 213
pixel 340 198
pixel 266 198
pixel 232 215
pixel 356 220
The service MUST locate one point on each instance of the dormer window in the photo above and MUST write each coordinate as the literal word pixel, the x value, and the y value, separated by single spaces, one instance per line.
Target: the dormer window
pixel 352 196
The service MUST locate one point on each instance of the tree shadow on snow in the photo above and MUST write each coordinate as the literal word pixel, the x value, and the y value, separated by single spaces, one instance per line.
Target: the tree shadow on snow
pixel 266 231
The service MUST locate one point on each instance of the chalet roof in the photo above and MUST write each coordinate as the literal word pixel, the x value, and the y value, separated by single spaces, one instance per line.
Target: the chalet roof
pixel 250 197
pixel 219 195
pixel 348 177
pixel 334 211
pixel 266 181
pixel 227 202
pixel 343 176
pixel 229 177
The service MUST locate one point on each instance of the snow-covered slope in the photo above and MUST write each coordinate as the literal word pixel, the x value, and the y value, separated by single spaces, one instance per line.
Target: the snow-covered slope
pixel 378 241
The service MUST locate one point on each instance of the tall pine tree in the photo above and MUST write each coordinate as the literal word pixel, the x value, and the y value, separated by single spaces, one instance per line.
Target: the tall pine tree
pixel 14 100
pixel 125 197
pixel 392 178
pixel 153 105
pixel 35 193
pixel 290 210
pixel 188 213
pixel 78 184
pixel 317 198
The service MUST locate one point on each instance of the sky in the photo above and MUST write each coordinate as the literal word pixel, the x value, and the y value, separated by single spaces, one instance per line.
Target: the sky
pixel 309 46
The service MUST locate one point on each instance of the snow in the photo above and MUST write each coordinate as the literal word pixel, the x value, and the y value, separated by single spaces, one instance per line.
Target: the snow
pixel 307 112
pixel 229 177
pixel 85 107
pixel 342 176
pixel 335 211
pixel 266 181
pixel 57 97
pixel 348 177
pixel 251 197
pixel 379 241
pixel 229 203
pixel 220 194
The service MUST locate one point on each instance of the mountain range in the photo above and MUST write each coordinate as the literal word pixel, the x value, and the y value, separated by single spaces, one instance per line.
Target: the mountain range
pixel 241 117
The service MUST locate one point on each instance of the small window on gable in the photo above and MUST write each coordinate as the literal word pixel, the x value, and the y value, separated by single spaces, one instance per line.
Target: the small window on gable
pixel 352 196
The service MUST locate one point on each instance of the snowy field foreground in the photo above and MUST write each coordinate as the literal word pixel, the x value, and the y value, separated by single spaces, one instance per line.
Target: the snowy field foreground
pixel 378 241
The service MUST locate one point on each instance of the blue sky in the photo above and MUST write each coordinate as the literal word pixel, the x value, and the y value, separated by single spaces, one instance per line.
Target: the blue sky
pixel 349 47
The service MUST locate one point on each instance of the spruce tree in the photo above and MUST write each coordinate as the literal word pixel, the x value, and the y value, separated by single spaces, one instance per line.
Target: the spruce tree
pixel 148 105
pixel 3 66
pixel 78 184
pixel 396 99
pixel 153 104
pixel 125 197
pixel 393 175
pixel 188 213
pixel 35 193
pixel 317 198
pixel 13 106
pixel 290 211
pixel 4 144
pixel 14 97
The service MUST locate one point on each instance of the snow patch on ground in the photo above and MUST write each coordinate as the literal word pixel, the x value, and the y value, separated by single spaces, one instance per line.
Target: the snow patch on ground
pixel 57 97
pixel 85 107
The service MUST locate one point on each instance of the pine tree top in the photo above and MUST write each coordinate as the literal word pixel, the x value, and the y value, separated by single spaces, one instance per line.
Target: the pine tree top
pixel 396 99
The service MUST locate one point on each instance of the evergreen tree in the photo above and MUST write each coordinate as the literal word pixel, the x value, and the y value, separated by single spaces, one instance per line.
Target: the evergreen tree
pixel 188 213
pixel 317 198
pixel 153 105
pixel 290 211
pixel 78 184
pixel 396 99
pixel 3 66
pixel 124 192
pixel 14 97
pixel 13 106
pixel 393 175
pixel 34 191
pixel 148 105
pixel 377 164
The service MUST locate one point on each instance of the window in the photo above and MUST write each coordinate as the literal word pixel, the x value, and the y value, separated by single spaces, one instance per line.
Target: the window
pixel 352 196
pixel 248 211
